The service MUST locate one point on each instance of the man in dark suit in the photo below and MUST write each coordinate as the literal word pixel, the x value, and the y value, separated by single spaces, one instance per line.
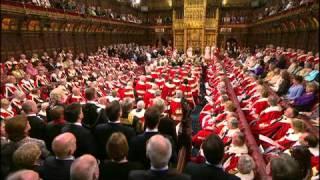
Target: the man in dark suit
pixel 91 110
pixel 104 131
pixel 159 152
pixel 58 167
pixel 137 150
pixel 85 141
pixel 167 125
pixel 213 150
pixel 54 127
pixel 37 124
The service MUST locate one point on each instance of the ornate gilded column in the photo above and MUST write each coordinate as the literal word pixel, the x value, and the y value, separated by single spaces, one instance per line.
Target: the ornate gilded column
pixel 194 29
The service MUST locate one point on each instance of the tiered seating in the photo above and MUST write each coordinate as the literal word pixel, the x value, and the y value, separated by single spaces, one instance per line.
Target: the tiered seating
pixel 223 116
pixel 273 121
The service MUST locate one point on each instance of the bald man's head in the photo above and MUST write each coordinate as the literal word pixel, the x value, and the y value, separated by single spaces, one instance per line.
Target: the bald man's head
pixel 84 168
pixel 24 175
pixel 159 151
pixel 64 145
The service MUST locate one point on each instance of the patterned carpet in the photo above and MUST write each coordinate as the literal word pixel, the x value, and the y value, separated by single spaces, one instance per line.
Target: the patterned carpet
pixel 195 118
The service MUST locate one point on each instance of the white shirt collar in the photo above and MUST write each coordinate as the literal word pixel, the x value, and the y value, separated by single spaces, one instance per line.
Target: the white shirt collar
pixel 152 130
pixel 77 123
pixel 159 169
pixel 28 115
pixel 66 158
pixel 218 165
pixel 114 122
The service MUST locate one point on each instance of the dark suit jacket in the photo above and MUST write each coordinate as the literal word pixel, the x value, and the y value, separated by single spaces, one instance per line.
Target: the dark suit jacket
pixel 167 126
pixel 110 170
pixel 137 148
pixel 283 88
pixel 155 175
pixel 85 141
pixel 91 117
pixel 38 127
pixel 55 169
pixel 102 133
pixel 52 130
pixel 207 172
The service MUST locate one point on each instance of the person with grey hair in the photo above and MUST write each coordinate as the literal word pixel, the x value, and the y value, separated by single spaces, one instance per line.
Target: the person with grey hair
pixel 159 151
pixel 84 168
pixel 24 175
pixel 284 167
pixel 136 116
pixel 245 167
pixel 126 107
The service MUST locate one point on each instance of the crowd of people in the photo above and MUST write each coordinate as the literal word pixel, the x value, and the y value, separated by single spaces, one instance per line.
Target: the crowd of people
pixel 258 78
pixel 123 112
pixel 82 9
pixel 234 19
pixel 281 6
pixel 271 8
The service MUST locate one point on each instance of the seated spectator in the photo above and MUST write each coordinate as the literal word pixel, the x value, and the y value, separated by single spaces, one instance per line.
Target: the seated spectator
pixel 276 75
pixel 234 151
pixel 284 167
pixel 296 88
pixel 31 70
pixel 136 116
pixel 306 70
pixel 126 107
pixel 270 74
pixel 245 168
pixel 84 168
pixel 24 175
pixel 159 151
pixel 18 71
pixel 57 98
pixel 283 84
pixel 6 111
pixel 306 100
pixel 58 167
pixel 313 74
pixel 85 141
pixel 27 157
pixel 118 167
pixel 294 66
pixel 213 150
pixel 282 62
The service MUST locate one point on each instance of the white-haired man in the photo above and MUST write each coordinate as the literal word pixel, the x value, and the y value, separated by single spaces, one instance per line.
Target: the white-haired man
pixel 159 151
pixel 138 112
pixel 175 106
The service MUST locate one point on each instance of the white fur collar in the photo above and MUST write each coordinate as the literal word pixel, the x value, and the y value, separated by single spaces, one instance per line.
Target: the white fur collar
pixel 249 176
pixel 271 109
pixel 314 150
pixel 238 150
